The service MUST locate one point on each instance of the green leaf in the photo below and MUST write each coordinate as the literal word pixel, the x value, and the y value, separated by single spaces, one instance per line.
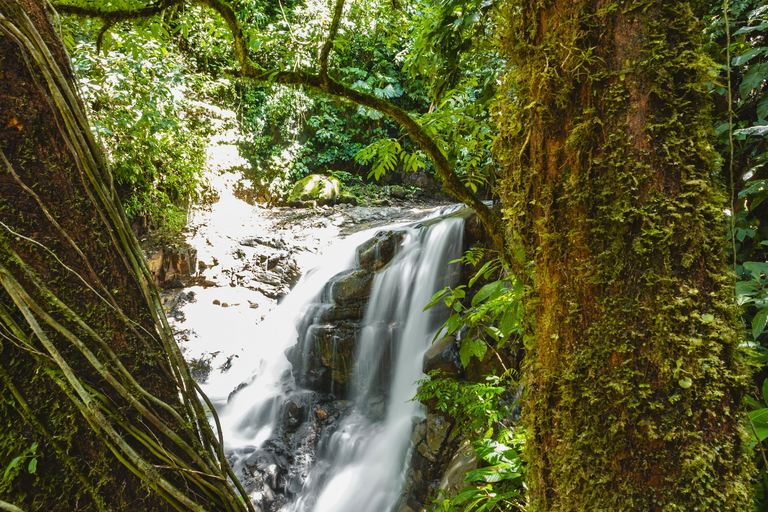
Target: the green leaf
pixel 685 383
pixel 479 273
pixel 13 464
pixel 754 404
pixel 508 322
pixel 479 348
pixel 753 130
pixel 707 318
pixel 744 30
pixel 32 467
pixel 759 420
pixel 486 291
pixel 436 298
pixel 742 59
pixel 757 268
pixel 465 353
pixel 760 415
pixel 493 474
pixel 765 391
pixel 753 78
pixel 454 323
pixel 762 108
pixel 759 322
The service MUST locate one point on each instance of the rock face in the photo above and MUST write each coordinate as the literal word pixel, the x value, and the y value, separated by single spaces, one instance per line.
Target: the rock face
pixel 262 264
pixel 172 264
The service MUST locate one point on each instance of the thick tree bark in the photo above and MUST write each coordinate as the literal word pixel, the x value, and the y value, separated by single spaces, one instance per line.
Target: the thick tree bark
pixel 89 372
pixel 633 377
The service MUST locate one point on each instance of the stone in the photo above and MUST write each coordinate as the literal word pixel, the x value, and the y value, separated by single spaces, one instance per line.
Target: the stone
pixel 216 302
pixel 351 287
pixel 171 263
pixel 462 463
pixel 438 429
pixel 315 188
pixel 398 192
pixel 443 356
pixel 379 250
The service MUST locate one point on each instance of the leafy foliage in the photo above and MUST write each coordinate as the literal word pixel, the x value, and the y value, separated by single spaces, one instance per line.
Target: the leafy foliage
pixel 484 411
pixel 140 95
pixel 490 320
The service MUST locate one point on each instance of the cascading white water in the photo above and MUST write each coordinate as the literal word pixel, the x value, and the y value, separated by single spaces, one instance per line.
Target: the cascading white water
pixel 366 460
pixel 261 374
pixel 360 466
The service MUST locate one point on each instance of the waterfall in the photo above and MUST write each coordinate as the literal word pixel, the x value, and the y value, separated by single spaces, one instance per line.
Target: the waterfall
pixel 360 463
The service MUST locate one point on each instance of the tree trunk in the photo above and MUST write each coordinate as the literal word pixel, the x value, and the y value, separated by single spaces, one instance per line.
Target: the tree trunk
pixel 633 377
pixel 92 386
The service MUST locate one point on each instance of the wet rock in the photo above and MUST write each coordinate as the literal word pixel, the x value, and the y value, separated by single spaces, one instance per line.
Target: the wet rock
pixel 435 441
pixel 354 286
pixel 462 463
pixel 293 415
pixel 376 408
pixel 493 362
pixel 379 250
pixel 171 263
pixel 443 356
pixel 315 188
pixel 438 429
pixel 200 368
pixel 398 192
pixel 333 313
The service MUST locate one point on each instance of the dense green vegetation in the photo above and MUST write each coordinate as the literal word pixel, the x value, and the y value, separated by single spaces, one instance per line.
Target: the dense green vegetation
pixel 345 105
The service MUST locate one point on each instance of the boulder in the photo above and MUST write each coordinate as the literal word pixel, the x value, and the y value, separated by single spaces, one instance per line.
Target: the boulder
pixel 379 250
pixel 354 286
pixel 315 187
pixel 172 265
pixel 444 356
pixel 462 463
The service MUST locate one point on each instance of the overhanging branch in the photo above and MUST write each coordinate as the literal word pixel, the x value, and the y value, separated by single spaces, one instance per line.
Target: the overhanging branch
pixel 113 16
pixel 322 82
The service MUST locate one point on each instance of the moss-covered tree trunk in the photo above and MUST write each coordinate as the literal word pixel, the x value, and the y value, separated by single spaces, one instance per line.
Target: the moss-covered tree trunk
pixel 633 377
pixel 97 409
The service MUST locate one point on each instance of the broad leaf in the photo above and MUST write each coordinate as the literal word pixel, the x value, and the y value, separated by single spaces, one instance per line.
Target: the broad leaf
pixel 486 291
pixel 753 79
pixel 742 59
pixel 759 322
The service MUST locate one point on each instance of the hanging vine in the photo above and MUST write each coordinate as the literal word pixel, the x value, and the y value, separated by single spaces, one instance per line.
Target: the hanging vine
pixel 167 443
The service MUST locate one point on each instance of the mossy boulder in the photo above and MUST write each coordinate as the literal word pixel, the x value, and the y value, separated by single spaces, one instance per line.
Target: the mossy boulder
pixel 315 187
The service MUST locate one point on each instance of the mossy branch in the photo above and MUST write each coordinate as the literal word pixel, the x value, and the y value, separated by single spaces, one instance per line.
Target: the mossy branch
pixel 113 16
pixel 322 82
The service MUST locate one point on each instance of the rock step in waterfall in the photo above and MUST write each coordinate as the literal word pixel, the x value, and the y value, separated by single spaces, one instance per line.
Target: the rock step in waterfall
pixel 317 413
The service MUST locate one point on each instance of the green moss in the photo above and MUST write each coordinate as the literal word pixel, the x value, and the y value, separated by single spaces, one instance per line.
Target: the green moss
pixel 315 187
pixel 603 141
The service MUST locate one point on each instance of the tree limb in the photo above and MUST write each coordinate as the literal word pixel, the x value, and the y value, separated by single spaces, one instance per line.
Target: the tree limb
pixel 322 82
pixel 326 50
pixel 116 15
